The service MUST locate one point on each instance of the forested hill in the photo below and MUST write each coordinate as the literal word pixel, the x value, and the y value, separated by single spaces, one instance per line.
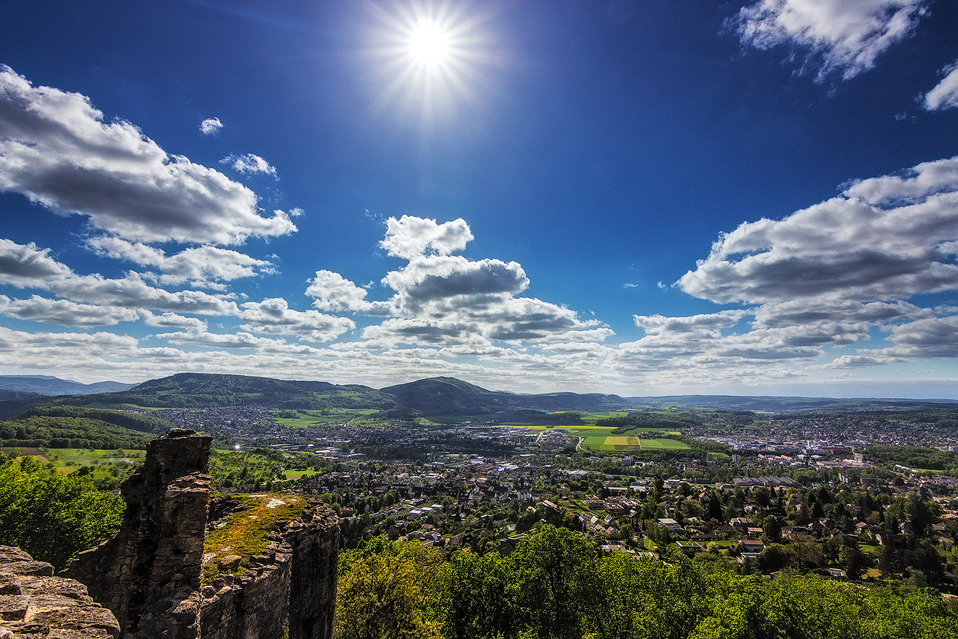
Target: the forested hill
pixel 450 396
pixel 198 390
pixel 77 427
pixel 437 396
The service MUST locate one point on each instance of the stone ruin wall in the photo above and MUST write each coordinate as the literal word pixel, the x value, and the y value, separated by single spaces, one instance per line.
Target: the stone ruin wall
pixel 149 574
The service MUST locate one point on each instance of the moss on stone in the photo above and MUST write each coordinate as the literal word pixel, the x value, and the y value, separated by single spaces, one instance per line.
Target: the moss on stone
pixel 246 532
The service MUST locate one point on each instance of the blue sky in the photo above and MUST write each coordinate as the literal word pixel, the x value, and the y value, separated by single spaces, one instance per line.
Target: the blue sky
pixel 615 196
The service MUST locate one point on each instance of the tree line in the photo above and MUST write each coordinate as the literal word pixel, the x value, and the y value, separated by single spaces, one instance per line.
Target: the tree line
pixel 557 585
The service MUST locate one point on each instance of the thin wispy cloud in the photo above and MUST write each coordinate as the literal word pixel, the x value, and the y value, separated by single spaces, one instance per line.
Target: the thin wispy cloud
pixel 945 93
pixel 249 164
pixel 840 37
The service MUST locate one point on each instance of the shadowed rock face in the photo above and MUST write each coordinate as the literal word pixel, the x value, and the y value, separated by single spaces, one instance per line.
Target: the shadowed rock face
pixel 34 603
pixel 150 573
pixel 159 549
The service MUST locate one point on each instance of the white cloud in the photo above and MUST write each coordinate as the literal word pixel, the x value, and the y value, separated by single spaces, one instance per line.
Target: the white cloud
pixel 172 320
pixel 56 150
pixel 410 237
pixel 69 345
pixel 27 266
pixel 202 266
pixel 794 313
pixel 274 317
pixel 333 292
pixel 441 298
pixel 210 126
pixel 880 240
pixel 249 164
pixel 454 280
pixel 945 93
pixel 837 36
pixel 64 312
pixel 658 324
pixel 237 340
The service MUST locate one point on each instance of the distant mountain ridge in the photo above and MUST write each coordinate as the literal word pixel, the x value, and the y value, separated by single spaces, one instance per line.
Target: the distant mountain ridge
pixel 432 397
pixel 435 397
pixel 47 385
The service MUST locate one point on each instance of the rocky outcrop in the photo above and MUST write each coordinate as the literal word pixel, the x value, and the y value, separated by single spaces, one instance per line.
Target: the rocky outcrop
pixel 158 553
pixel 291 584
pixel 150 573
pixel 34 603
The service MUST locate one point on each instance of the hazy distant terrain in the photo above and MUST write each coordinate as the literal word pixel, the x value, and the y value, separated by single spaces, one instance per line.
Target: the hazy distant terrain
pixel 435 397
pixel 47 385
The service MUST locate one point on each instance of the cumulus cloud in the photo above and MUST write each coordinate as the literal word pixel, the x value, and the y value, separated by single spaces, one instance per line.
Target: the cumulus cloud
pixel 448 299
pixel 836 36
pixel 945 93
pixel 27 266
pixel 249 164
pixel 64 312
pixel 794 313
pixel 274 317
pixel 886 238
pixel 435 279
pixel 66 343
pixel 333 292
pixel 56 149
pixel 203 266
pixel 410 237
pixel 210 126
pixel 172 320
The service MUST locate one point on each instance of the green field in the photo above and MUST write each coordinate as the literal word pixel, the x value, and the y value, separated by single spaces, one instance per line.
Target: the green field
pixel 321 418
pixel 624 443
pixel 296 474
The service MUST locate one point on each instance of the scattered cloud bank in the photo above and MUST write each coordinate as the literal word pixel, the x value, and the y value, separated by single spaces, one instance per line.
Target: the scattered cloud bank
pixel 831 288
pixel 831 36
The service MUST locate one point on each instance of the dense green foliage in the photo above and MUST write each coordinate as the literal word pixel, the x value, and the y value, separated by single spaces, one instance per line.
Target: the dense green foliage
pixel 913 457
pixel 678 420
pixel 245 470
pixel 557 585
pixel 51 516
pixel 124 419
pixel 70 427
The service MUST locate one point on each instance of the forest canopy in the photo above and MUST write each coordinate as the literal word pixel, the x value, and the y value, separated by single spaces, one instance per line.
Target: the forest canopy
pixel 558 585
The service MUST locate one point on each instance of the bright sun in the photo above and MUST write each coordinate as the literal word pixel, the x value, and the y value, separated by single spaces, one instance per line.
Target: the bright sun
pixel 429 44
pixel 429 56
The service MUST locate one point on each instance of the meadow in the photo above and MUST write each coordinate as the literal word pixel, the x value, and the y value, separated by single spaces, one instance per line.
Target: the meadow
pixel 308 418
